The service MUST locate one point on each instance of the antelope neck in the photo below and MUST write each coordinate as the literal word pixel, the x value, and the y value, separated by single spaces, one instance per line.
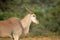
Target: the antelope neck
pixel 26 21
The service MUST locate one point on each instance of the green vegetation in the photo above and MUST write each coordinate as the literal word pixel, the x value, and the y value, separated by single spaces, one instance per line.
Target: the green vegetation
pixel 47 11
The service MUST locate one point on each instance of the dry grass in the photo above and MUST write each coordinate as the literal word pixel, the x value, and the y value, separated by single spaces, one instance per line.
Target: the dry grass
pixel 41 38
pixel 35 38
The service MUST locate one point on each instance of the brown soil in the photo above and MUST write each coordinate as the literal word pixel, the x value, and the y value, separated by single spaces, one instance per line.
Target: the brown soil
pixel 35 38
pixel 41 38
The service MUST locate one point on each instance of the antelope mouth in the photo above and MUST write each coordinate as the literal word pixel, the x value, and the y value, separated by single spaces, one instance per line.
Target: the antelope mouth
pixel 37 22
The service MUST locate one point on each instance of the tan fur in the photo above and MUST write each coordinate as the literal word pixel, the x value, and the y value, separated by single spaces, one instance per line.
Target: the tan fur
pixel 10 28
pixel 13 27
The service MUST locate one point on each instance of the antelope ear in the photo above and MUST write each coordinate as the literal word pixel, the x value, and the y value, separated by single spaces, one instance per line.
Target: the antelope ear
pixel 29 13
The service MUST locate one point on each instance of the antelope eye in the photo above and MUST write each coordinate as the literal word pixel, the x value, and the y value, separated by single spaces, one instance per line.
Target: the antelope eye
pixel 33 15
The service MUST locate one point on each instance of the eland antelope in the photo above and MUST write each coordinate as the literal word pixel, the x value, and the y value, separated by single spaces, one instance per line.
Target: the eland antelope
pixel 14 27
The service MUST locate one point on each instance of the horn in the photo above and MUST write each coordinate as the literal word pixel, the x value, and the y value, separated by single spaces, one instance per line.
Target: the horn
pixel 27 9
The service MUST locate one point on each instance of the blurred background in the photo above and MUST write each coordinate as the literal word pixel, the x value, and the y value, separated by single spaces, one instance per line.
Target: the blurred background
pixel 47 11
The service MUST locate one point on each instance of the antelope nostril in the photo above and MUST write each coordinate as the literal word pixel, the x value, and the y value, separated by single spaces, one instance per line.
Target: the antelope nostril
pixel 38 22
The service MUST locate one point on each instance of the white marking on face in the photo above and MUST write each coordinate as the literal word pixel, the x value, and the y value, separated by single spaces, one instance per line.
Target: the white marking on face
pixel 33 18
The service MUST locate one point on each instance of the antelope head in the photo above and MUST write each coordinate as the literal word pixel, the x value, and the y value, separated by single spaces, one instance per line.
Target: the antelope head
pixel 34 19
pixel 32 16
